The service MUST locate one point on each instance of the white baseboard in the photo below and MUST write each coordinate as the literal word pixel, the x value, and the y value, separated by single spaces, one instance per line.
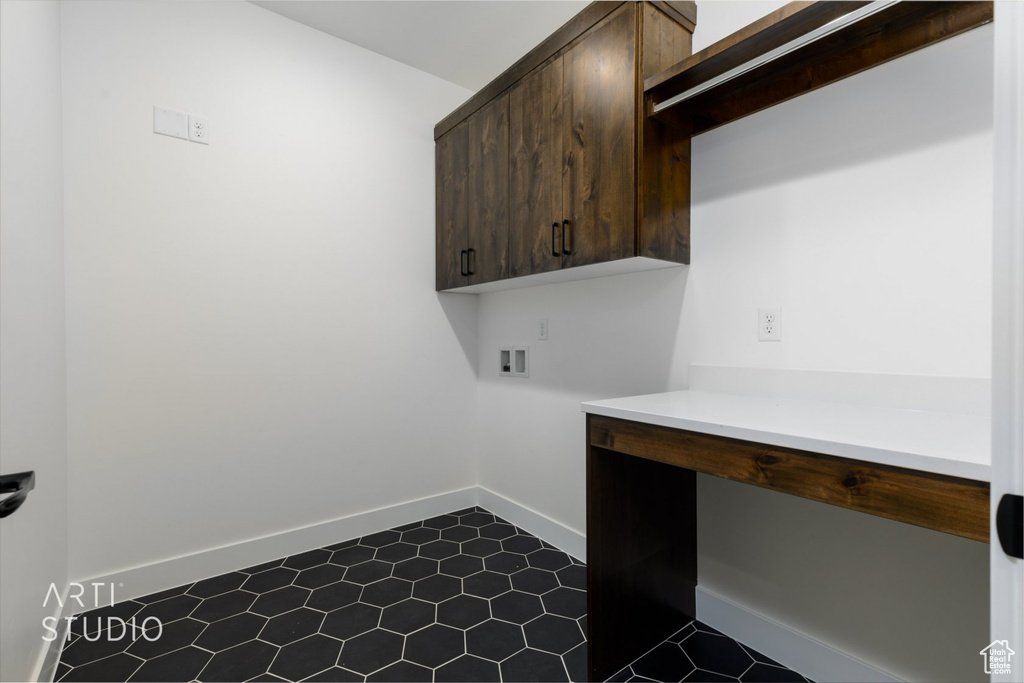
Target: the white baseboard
pixel 800 652
pixel 544 528
pixel 158 576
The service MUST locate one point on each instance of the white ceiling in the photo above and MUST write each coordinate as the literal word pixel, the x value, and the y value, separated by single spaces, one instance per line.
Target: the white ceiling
pixel 467 42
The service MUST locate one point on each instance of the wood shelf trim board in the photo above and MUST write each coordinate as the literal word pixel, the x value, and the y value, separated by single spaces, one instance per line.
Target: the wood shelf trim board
pixel 948 504
pixel 890 33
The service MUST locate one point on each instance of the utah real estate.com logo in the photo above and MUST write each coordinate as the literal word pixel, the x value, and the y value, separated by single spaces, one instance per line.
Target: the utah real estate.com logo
pixel 95 627
pixel 997 657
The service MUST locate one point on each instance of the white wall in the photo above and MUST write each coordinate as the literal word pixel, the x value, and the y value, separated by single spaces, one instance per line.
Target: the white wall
pixel 864 211
pixel 34 540
pixel 254 344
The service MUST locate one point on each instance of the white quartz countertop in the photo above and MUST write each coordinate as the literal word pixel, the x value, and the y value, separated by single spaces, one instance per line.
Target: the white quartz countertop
pixel 943 443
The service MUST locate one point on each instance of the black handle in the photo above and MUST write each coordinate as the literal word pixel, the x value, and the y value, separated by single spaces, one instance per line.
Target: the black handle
pixel 554 248
pixel 470 257
pixel 566 224
pixel 19 484
pixel 462 264
pixel 1010 525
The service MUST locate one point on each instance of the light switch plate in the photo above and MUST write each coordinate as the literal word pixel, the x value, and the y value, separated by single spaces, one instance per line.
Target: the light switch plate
pixel 170 122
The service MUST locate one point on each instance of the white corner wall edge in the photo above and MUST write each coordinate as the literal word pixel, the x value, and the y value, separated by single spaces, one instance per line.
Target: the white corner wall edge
pixel 812 658
pixel 544 528
pixel 46 668
pixel 150 578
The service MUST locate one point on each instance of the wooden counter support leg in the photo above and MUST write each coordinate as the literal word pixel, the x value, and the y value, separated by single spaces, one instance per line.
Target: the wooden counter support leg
pixel 641 556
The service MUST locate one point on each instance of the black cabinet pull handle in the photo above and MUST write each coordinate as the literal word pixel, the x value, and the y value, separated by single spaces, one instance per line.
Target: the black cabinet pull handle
pixel 462 264
pixel 18 484
pixel 1010 525
pixel 554 247
pixel 566 224
pixel 470 257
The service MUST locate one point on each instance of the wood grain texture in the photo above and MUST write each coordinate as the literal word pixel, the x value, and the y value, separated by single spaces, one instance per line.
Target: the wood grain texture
pixel 664 169
pixel 599 144
pixel 535 178
pixel 487 195
pixel 570 31
pixel 683 13
pixel 948 504
pixel 451 164
pixel 641 556
pixel 897 31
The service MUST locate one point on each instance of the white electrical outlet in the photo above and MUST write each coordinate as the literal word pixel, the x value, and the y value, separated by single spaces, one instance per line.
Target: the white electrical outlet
pixel 542 329
pixel 198 129
pixel 769 323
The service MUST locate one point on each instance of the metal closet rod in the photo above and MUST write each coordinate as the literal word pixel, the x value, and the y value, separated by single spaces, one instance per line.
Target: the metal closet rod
pixel 781 51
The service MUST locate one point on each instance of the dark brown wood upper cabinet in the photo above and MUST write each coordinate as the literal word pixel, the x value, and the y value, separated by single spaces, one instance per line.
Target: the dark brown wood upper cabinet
pixel 588 178
pixel 472 170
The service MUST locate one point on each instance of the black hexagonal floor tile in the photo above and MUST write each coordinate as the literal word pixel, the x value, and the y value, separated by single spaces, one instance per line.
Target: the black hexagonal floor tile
pixel 270 580
pixel 460 533
pixel 98 619
pixel 408 616
pixel 576 663
pixel 477 519
pixel 481 547
pixel 439 550
pixel 168 610
pixel 497 531
pixel 421 536
pixel 280 601
pixel 291 626
pixel 765 673
pixel 231 631
pixel 702 676
pixel 310 558
pixel 179 665
pixel 402 671
pixel 240 663
pixel 467 668
pixel 318 576
pixel 434 645
pixel 566 602
pixel 337 675
pixel 463 611
pixel 368 572
pixel 396 552
pixel 486 584
pixel 552 560
pixel 720 654
pixel 437 588
pixel 118 667
pixel 334 596
pixel 573 576
pixel 351 621
pixel 505 563
pixel 536 581
pixel 461 565
pixel 521 544
pixel 441 522
pixel 346 557
pixel 306 657
pixel 517 607
pixel 380 539
pixel 553 634
pixel 168 638
pixel 666 662
pixel 224 606
pixel 533 665
pixel 371 651
pixel 415 568
pixel 207 588
pixel 386 592
pixel 494 640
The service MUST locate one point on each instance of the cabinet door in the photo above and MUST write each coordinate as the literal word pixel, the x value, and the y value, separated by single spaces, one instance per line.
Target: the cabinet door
pixel 599 142
pixel 535 176
pixel 452 230
pixel 488 192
